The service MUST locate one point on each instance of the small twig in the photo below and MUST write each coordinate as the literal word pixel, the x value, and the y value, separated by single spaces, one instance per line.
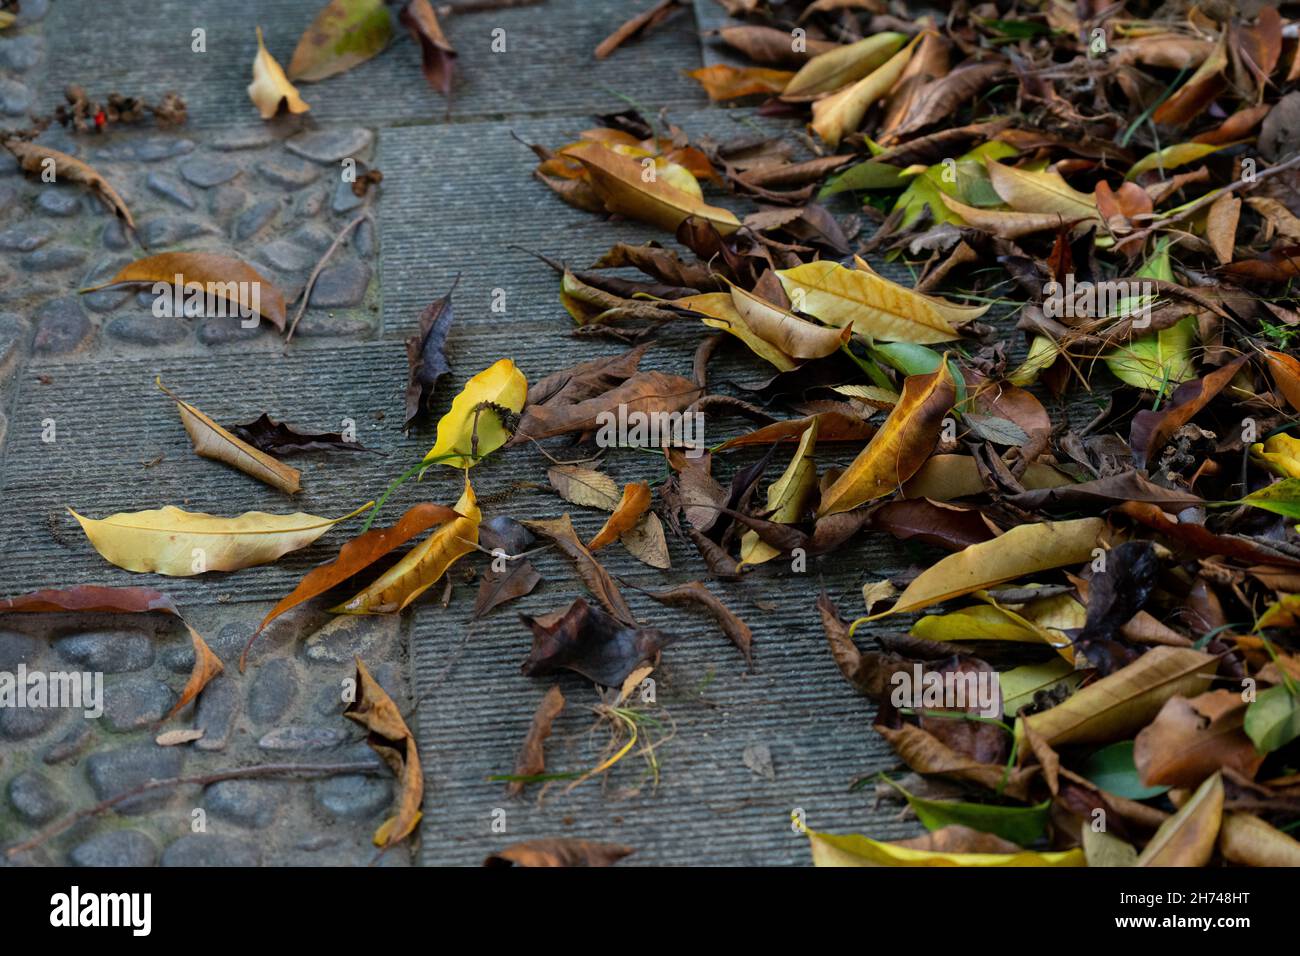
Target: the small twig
pixel 311 280
pixel 1210 197
pixel 237 773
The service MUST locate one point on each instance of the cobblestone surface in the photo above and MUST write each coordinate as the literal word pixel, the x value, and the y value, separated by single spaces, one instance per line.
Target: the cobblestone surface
pixel 457 199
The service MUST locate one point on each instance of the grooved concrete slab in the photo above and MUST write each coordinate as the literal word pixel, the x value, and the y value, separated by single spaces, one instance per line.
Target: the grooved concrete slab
pixel 143 48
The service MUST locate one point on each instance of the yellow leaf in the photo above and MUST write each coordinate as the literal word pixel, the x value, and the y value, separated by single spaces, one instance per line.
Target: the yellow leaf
pixel 632 189
pixel 183 543
pixel 873 305
pixel 1022 551
pixel 719 312
pixel 474 426
pixel 1025 190
pixel 212 441
pixel 843 65
pixel 1004 224
pixel 852 849
pixel 787 497
pixel 1188 837
pixel 793 336
pixel 1120 704
pixel 899 448
pixel 1280 454
pixel 992 622
pixel 839 114
pixel 422 566
pixel 270 87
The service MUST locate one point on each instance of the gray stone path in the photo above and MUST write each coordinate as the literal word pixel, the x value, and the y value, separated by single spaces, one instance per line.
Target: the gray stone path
pixel 457 199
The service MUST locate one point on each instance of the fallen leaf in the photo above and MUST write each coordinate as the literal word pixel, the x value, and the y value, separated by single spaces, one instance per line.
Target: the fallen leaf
pixel 830 849
pixel 389 737
pixel 1189 836
pixel 33 158
pixel 629 188
pixel 694 592
pixel 99 599
pixel 358 554
pixel 180 543
pixel 841 113
pixel 873 305
pixel 481 418
pixel 842 65
pixel 438 57
pixel 593 574
pixel 426 355
pixel 270 87
pixel 197 277
pixel 628 511
pixel 276 438
pixel 592 643
pixel 1247 840
pixel 1191 739
pixel 899 448
pixel 532 757
pixel 422 566
pixel 724 82
pixel 210 440
pixel 344 34
pixel 1151 430
pixel 1117 706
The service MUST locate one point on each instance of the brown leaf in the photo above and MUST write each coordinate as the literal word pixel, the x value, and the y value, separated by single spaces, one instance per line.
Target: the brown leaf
pixel 1189 836
pixel 1152 429
pixel 230 280
pixel 560 851
pixel 643 392
pixel 98 599
pixel 210 440
pixel 438 57
pixel 37 159
pixel 587 640
pixel 532 756
pixel 1221 226
pixel 393 741
pixel 276 438
pixel 593 574
pixel 638 25
pixel 1191 739
pixel 694 592
pixel 926 754
pixel 426 356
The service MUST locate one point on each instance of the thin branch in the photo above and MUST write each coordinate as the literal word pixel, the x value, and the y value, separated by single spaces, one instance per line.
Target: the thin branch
pixel 311 280
pixel 237 773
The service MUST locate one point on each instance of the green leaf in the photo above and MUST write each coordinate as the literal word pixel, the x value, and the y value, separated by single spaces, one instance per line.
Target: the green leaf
pixel 1273 719
pixel 1112 769
pixel 1171 157
pixel 1281 497
pixel 1159 360
pixel 344 33
pixel 906 357
pixel 1022 825
pixel 1020 684
pixel 868 175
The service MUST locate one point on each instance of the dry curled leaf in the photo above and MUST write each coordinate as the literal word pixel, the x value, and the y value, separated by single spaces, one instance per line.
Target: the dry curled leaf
pixel 389 737
pixel 210 440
